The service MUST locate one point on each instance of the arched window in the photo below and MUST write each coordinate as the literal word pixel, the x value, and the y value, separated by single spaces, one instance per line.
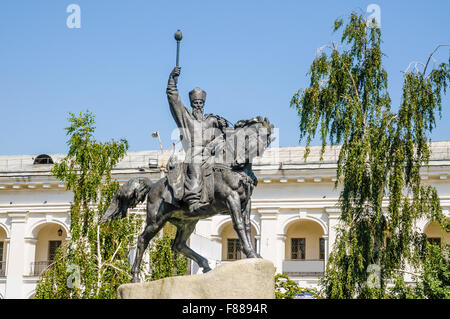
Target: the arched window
pixel 231 246
pixel 43 159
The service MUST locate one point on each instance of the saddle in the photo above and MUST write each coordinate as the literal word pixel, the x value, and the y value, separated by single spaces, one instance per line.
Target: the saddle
pixel 176 174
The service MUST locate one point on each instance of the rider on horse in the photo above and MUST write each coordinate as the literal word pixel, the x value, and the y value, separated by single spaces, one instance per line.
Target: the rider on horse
pixel 196 132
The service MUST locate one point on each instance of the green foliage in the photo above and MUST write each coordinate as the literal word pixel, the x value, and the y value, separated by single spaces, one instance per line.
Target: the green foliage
pixel 434 281
pixel 286 288
pixel 94 262
pixel 380 157
pixel 163 262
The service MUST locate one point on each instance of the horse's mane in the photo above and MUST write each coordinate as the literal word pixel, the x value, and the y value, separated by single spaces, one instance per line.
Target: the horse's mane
pixel 249 139
pixel 255 121
pixel 256 124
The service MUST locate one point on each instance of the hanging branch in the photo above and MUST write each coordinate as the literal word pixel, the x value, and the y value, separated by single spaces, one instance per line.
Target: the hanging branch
pixel 429 58
pixel 99 260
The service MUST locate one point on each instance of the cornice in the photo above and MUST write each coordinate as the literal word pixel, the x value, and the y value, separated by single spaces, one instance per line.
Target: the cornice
pixel 31 184
pixel 282 173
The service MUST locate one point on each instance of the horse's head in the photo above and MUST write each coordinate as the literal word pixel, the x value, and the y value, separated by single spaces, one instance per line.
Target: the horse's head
pixel 258 136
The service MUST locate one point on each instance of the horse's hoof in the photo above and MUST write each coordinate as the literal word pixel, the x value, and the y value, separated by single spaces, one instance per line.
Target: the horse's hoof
pixel 135 279
pixel 254 255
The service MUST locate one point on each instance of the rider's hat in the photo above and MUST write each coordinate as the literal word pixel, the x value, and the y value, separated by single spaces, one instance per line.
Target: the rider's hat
pixel 197 94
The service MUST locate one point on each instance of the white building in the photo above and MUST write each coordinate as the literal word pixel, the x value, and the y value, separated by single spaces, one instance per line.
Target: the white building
pixel 294 211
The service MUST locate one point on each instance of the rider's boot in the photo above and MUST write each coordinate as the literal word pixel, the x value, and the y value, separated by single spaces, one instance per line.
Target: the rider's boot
pixel 196 206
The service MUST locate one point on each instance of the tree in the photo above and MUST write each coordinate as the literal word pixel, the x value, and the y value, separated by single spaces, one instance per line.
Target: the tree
pixel 94 262
pixel 380 157
pixel 433 282
pixel 286 288
pixel 163 262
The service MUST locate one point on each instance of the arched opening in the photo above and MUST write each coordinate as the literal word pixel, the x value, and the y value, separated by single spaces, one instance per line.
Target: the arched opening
pixel 305 248
pixel 304 241
pixel 43 159
pixel 231 247
pixel 50 237
pixel 3 243
pixel 435 234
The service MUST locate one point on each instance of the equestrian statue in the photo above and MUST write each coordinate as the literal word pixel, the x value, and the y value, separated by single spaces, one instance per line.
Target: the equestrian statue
pixel 215 177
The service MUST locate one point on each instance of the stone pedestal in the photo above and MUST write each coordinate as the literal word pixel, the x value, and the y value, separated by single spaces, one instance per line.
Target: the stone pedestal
pixel 251 278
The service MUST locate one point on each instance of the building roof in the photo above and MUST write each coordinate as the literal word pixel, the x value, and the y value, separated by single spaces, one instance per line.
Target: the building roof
pixel 274 157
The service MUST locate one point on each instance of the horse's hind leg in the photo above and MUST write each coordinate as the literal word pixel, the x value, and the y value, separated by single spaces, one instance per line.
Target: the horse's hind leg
pixel 179 245
pixel 156 218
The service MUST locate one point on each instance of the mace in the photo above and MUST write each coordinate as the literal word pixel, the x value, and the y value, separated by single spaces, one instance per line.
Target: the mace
pixel 178 36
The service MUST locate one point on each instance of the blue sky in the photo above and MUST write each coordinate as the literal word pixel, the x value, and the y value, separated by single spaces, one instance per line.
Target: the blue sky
pixel 249 56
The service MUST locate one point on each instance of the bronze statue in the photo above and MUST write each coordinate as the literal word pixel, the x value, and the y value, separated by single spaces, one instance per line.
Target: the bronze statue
pixel 194 128
pixel 215 177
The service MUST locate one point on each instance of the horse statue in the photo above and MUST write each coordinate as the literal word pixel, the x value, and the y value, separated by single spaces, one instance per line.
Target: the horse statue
pixel 228 188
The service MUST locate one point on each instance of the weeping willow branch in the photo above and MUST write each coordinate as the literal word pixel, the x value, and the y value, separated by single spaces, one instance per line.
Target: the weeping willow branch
pixel 99 261
pixel 119 270
pixel 429 58
pixel 380 156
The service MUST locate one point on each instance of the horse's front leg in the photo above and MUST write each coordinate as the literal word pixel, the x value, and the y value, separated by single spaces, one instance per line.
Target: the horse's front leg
pixel 247 225
pixel 234 206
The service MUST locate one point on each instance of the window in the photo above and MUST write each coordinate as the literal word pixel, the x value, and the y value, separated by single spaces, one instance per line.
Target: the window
pixel 234 249
pixel 434 240
pixel 321 248
pixel 298 248
pixel 43 159
pixel 52 247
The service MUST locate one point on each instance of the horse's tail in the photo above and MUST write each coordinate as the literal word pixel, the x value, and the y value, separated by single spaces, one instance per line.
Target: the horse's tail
pixel 129 195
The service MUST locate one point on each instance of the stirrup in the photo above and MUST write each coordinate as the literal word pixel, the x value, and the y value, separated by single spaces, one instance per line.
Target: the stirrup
pixel 197 206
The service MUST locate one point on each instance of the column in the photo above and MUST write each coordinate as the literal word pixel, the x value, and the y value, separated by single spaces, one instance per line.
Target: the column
pixel 268 242
pixel 258 244
pixel 216 253
pixel 333 221
pixel 281 252
pixel 325 260
pixel 30 253
pixel 16 254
